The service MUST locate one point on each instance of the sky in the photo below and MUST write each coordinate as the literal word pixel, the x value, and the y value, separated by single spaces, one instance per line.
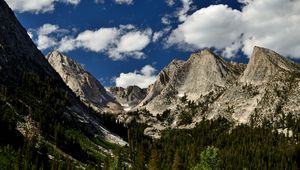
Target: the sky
pixel 127 42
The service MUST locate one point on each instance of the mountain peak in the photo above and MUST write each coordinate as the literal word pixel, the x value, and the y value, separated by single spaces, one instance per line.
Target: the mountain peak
pixel 265 64
pixel 205 56
pixel 87 87
pixel 55 53
pixel 207 52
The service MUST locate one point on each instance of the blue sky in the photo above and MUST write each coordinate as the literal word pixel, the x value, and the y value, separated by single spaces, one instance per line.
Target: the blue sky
pixel 127 42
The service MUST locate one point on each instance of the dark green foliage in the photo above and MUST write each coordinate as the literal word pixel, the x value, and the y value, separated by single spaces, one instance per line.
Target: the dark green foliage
pixel 45 102
pixel 185 118
pixel 209 159
pixel 239 147
pixel 165 116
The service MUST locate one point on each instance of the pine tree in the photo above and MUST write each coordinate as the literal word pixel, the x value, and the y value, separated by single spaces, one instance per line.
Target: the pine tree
pixel 153 159
pixel 177 163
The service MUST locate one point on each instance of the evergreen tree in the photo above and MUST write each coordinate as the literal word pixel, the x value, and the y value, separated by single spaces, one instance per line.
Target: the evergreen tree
pixel 153 159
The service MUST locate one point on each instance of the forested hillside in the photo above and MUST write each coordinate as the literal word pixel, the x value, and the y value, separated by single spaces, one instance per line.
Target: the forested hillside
pixel 218 144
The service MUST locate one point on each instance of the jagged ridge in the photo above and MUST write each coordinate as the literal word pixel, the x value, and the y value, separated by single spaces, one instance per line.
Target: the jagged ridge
pixel 87 87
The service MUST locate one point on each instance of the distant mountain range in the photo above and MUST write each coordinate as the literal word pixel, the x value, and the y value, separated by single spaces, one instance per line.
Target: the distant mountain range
pixel 238 92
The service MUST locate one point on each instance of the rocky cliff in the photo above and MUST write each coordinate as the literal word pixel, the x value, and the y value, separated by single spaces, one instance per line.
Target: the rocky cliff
pixel 128 97
pixel 83 84
pixel 206 86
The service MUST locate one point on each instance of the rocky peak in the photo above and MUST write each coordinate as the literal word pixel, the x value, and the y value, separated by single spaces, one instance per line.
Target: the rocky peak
pixel 203 71
pixel 264 64
pixel 163 80
pixel 82 83
pixel 128 97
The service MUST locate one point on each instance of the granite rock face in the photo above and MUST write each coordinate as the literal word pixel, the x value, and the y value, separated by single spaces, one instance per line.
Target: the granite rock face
pixel 205 85
pixel 83 84
pixel 202 73
pixel 128 97
pixel 266 64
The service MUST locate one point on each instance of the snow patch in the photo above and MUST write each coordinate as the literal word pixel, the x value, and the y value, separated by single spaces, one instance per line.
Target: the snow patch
pixel 127 109
pixel 181 95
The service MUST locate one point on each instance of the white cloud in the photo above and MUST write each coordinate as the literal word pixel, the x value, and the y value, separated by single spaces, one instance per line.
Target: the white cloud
pixel 37 6
pixel 143 78
pixel 128 2
pixel 67 44
pixel 131 44
pixel 182 13
pixel 98 40
pixel 272 24
pixel 148 70
pixel 45 42
pixel 158 35
pixel 47 29
pixel 73 2
pixel 133 41
pixel 215 26
pixel 117 42
pixel 44 33
pixel 166 20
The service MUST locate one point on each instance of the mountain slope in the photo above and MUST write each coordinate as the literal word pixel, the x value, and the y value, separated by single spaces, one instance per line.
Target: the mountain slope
pixel 264 64
pixel 268 84
pixel 128 97
pixel 202 73
pixel 37 106
pixel 206 86
pixel 83 84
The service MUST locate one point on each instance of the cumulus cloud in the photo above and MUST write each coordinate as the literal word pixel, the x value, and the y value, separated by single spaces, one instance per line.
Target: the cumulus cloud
pixel 44 39
pixel 37 6
pixel 131 44
pixel 116 42
pixel 215 26
pixel 97 40
pixel 44 42
pixel 143 78
pixel 272 24
pixel 269 23
pixel 47 29
pixel 67 44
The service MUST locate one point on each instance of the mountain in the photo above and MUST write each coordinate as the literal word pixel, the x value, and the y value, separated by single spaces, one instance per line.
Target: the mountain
pixel 267 88
pixel 202 73
pixel 129 97
pixel 265 64
pixel 206 86
pixel 83 84
pixel 40 113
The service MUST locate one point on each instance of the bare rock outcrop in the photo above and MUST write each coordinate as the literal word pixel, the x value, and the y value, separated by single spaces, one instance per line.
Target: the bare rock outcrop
pixel 83 84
